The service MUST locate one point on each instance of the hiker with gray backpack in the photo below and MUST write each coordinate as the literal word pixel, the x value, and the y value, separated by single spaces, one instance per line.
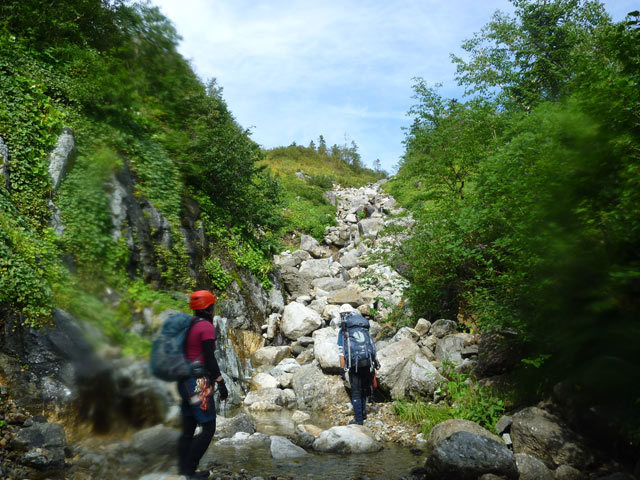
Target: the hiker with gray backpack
pixel 357 358
pixel 184 351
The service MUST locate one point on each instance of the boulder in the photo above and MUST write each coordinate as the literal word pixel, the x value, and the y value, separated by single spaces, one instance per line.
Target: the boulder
pixel 268 399
pixel 351 294
pixel 539 433
pixel 531 468
pixel 285 366
pixel 42 446
pixel 266 356
pixel 497 354
pixel 157 440
pixel 443 327
pixel 350 259
pixel 422 327
pixel 406 372
pixel 450 348
pixel 295 283
pixel 299 320
pixel 369 227
pixel 328 284
pixel 315 268
pixel 263 380
pixel 465 456
pixel 567 472
pixel 325 349
pixel 315 391
pixel 282 448
pixel 300 417
pixel 228 427
pixel 347 439
pixel 447 428
pixel 246 440
pixel 405 332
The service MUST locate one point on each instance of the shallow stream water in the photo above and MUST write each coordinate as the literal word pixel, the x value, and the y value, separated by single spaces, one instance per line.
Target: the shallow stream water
pixel 392 462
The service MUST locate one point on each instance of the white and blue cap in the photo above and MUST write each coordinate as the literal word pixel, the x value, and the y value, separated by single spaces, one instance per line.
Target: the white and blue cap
pixel 345 307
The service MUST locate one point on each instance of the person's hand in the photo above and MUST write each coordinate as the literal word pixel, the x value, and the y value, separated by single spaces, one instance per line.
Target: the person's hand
pixel 343 374
pixel 376 364
pixel 222 388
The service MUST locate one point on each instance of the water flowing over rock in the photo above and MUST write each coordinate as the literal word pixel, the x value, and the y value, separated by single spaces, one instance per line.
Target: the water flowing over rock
pixel 347 439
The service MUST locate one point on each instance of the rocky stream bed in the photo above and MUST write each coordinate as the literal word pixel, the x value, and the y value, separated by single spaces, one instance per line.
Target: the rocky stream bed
pixel 288 410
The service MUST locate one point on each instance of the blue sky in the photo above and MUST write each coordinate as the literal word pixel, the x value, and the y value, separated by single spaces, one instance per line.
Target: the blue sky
pixel 295 69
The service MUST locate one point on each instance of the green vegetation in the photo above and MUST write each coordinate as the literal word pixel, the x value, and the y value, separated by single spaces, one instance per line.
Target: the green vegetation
pixel 527 195
pixel 110 70
pixel 463 400
pixel 305 208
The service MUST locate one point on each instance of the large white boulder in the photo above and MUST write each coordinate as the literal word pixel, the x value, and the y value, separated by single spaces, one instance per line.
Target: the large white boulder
pixel 299 320
pixel 325 349
pixel 315 268
pixel 406 372
pixel 263 380
pixel 269 355
pixel 269 399
pixel 347 439
pixel 315 390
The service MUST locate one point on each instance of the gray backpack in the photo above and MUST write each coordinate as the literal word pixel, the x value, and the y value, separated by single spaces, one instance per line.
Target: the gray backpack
pixel 168 361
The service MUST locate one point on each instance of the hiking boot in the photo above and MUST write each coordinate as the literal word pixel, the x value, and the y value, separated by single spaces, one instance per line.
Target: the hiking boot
pixel 354 422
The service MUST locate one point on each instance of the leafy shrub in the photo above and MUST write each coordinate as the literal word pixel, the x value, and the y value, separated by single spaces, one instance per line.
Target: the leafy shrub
pixel 217 274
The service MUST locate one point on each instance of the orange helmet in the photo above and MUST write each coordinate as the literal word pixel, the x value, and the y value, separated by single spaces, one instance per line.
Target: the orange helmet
pixel 201 300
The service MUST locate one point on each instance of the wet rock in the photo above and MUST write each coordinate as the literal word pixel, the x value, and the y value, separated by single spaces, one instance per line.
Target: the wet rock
pixel 315 391
pixel 157 440
pixel 347 439
pixel 300 417
pixel 532 468
pixel 299 320
pixel 267 356
pixel 539 433
pixel 282 448
pixel 447 428
pixel 325 349
pixel 465 456
pixel 246 440
pixel 228 427
pixel 302 437
pixel 443 327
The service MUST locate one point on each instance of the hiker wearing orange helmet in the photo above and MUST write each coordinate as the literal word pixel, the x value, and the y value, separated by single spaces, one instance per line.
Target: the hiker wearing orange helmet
pixel 198 406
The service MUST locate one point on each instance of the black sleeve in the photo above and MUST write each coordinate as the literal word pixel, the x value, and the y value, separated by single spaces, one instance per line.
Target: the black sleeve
pixel 208 349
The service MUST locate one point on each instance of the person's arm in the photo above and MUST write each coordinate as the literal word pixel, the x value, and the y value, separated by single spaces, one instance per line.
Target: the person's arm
pixel 341 349
pixel 208 352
